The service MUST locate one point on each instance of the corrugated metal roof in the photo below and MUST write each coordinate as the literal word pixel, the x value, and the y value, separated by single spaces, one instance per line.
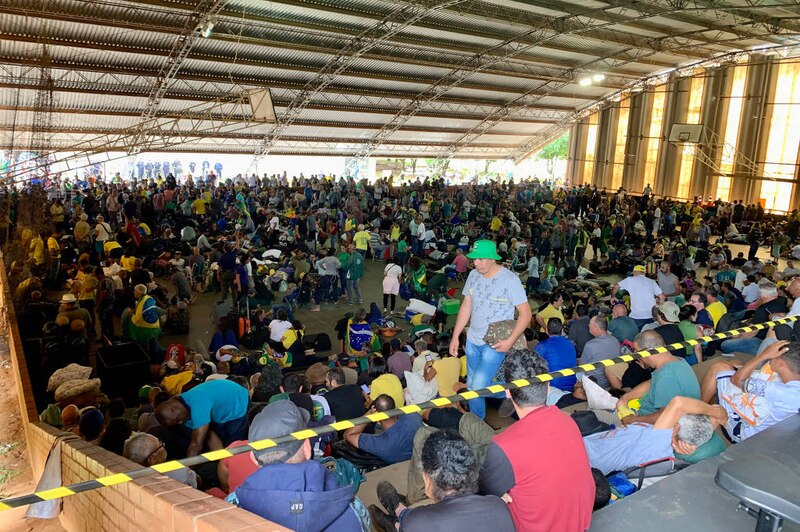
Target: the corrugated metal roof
pixel 287 43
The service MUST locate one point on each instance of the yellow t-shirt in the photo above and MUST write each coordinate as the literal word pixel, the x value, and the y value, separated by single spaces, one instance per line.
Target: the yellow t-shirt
pixel 88 286
pixel 550 312
pixel 447 371
pixel 290 337
pixel 53 247
pixel 496 224
pixel 129 263
pixel 716 309
pixel 361 240
pixel 390 385
pixel 174 384
pixel 199 206
pixel 395 234
pixel 111 245
pixel 57 213
pixel 37 250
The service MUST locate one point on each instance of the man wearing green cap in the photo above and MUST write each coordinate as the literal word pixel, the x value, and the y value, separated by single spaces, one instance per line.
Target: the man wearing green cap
pixel 491 294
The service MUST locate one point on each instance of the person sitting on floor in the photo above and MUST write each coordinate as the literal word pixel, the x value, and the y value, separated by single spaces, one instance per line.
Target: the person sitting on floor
pixel 450 472
pixel 756 399
pixel 147 450
pixel 396 442
pixel 290 488
pixel 682 428
pixel 543 494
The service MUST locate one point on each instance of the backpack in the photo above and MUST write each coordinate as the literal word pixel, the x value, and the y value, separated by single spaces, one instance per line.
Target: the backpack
pixel 318 342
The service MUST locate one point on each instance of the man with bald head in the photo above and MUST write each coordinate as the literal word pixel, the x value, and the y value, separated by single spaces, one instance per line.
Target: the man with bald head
pixel 622 327
pixel 672 377
pixel 147 450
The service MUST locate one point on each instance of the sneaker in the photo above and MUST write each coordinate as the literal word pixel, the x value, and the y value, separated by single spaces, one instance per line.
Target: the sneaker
pixel 381 521
pixel 389 497
pixel 315 309
pixel 385 311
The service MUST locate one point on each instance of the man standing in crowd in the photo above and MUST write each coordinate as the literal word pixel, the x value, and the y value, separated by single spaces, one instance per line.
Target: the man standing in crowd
pixel 643 292
pixel 491 294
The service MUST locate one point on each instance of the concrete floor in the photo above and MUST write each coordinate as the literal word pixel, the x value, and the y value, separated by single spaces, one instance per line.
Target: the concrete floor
pixel 202 327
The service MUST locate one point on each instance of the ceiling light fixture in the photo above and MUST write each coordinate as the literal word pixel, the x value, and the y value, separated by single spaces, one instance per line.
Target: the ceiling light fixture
pixel 207 26
pixel 585 82
pixel 597 78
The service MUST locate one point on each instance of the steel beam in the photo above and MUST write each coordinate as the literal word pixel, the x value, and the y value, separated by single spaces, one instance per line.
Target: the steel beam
pixel 203 13
pixel 399 19
pixel 77 80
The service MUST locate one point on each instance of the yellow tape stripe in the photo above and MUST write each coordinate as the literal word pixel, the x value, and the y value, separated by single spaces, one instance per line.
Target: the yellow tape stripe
pixel 110 480
pixel 213 456
pixel 342 425
pixel 305 434
pixel 55 493
pixel 166 467
pixel 260 445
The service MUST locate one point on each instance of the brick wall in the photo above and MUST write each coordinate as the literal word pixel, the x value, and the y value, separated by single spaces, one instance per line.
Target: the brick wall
pixel 153 503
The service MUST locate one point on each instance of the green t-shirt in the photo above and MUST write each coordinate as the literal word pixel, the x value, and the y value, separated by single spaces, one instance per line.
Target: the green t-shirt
pixel 689 332
pixel 354 267
pixel 671 380
pixel 402 246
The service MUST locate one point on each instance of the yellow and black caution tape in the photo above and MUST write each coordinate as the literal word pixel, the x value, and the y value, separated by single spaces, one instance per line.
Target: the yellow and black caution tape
pixel 213 456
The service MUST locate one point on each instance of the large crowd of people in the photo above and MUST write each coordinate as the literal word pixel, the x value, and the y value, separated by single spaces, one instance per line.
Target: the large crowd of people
pixel 499 282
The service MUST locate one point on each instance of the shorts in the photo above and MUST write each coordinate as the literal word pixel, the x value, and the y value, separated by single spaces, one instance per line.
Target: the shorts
pixel 725 388
pixel 230 431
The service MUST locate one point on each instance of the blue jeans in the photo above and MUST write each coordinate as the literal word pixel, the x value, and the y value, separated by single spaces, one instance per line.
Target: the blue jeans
pixel 482 364
pixel 742 345
pixel 642 322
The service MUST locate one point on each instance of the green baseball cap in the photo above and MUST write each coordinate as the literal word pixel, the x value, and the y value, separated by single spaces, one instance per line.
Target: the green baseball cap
pixel 484 249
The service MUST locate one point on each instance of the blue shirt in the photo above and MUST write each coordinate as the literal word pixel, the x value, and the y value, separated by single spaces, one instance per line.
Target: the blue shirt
pixel 227 262
pixel 560 354
pixel 215 402
pixel 395 444
pixel 619 449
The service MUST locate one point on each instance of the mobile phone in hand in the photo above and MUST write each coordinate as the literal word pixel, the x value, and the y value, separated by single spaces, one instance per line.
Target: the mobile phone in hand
pixel 365 389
